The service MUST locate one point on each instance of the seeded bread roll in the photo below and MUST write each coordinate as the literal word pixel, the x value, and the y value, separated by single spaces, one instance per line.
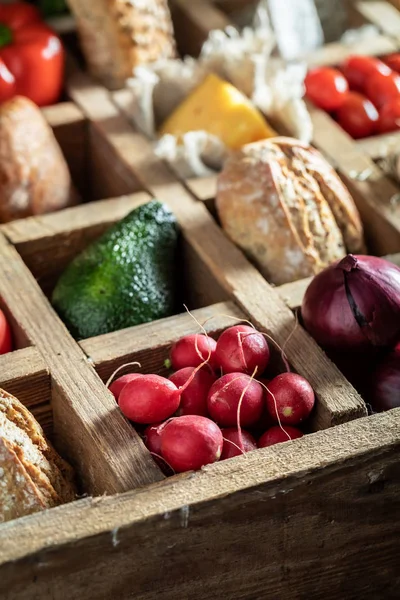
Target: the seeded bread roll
pixel 32 475
pixel 34 177
pixel 119 35
pixel 284 205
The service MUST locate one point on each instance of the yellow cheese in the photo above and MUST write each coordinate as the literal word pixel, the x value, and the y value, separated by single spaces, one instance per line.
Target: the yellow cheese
pixel 219 108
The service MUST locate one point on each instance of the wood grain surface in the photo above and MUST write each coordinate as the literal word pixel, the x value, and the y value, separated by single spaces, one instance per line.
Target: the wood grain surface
pixel 312 518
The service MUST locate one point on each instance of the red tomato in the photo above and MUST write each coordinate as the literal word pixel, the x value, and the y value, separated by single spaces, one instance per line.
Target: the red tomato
pixel 382 88
pixel 326 87
pixel 357 70
pixel 358 116
pixel 389 117
pixel 5 335
pixel 393 61
pixel 31 55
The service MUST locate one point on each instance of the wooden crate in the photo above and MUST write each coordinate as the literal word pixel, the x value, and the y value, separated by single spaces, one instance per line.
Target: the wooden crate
pixel 251 527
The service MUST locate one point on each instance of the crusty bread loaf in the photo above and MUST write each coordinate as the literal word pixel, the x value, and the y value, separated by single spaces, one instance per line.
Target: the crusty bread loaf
pixel 32 475
pixel 118 35
pixel 284 205
pixel 34 177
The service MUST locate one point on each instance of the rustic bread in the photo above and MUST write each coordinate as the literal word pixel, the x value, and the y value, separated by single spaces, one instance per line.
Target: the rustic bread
pixel 284 205
pixel 34 177
pixel 118 35
pixel 32 475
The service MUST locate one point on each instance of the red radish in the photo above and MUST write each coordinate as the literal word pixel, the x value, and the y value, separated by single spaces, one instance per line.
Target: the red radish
pixel 236 444
pixel 190 442
pixel 194 398
pixel 5 335
pixel 192 350
pixel 242 349
pixel 149 399
pixel 117 386
pixel 277 434
pixel 152 438
pixel 225 395
pixel 290 398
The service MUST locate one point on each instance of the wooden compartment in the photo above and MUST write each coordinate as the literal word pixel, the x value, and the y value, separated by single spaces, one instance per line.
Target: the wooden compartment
pixel 292 519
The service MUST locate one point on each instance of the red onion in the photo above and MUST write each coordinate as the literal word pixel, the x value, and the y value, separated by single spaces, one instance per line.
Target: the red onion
pixel 354 305
pixel 385 388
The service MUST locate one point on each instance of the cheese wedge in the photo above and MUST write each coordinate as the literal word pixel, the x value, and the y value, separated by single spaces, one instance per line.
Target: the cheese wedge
pixel 219 108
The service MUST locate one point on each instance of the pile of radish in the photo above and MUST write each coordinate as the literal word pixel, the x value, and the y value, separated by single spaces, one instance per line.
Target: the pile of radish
pixel 217 403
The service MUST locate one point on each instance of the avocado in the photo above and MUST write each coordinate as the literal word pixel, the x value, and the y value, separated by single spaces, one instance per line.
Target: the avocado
pixel 124 278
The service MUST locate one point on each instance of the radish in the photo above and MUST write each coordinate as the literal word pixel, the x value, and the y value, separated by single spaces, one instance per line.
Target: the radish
pixel 277 434
pixel 290 398
pixel 190 442
pixel 242 349
pixel 149 399
pixel 117 386
pixel 236 444
pixel 192 351
pixel 152 438
pixel 225 395
pixel 194 398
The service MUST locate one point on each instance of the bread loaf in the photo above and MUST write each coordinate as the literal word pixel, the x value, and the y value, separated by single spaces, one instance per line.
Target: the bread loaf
pixel 34 177
pixel 284 205
pixel 118 35
pixel 32 475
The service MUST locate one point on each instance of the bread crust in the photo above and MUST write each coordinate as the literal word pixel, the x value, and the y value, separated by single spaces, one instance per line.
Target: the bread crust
pixel 284 205
pixel 34 176
pixel 32 475
pixel 118 35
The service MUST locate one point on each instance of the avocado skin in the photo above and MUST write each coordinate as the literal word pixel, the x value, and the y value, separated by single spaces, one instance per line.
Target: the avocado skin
pixel 124 278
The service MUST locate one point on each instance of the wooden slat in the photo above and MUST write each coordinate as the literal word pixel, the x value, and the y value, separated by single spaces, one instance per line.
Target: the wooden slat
pixel 71 131
pixel 86 423
pixel 149 343
pixel 193 21
pixel 383 15
pixel 293 293
pixel 380 146
pixel 330 499
pixel 24 374
pixel 336 53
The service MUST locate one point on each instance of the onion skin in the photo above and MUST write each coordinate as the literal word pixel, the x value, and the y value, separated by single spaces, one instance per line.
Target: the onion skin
pixel 354 305
pixel 385 385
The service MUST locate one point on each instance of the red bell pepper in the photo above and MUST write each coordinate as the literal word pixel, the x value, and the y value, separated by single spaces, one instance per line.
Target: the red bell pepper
pixel 31 56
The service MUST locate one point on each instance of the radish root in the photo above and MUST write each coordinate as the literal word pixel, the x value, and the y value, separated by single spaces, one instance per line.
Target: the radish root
pixel 131 364
pixel 240 406
pixel 276 410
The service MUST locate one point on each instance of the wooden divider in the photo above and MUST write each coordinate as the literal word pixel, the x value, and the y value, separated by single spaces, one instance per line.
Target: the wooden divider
pixel 87 424
pixel 316 517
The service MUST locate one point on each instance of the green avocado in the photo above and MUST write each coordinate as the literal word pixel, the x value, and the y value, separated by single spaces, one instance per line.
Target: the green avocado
pixel 126 277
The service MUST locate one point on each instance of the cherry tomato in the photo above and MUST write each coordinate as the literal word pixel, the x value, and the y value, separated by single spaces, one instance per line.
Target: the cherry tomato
pixel 5 335
pixel 358 69
pixel 381 88
pixel 393 61
pixel 358 116
pixel 389 117
pixel 326 87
